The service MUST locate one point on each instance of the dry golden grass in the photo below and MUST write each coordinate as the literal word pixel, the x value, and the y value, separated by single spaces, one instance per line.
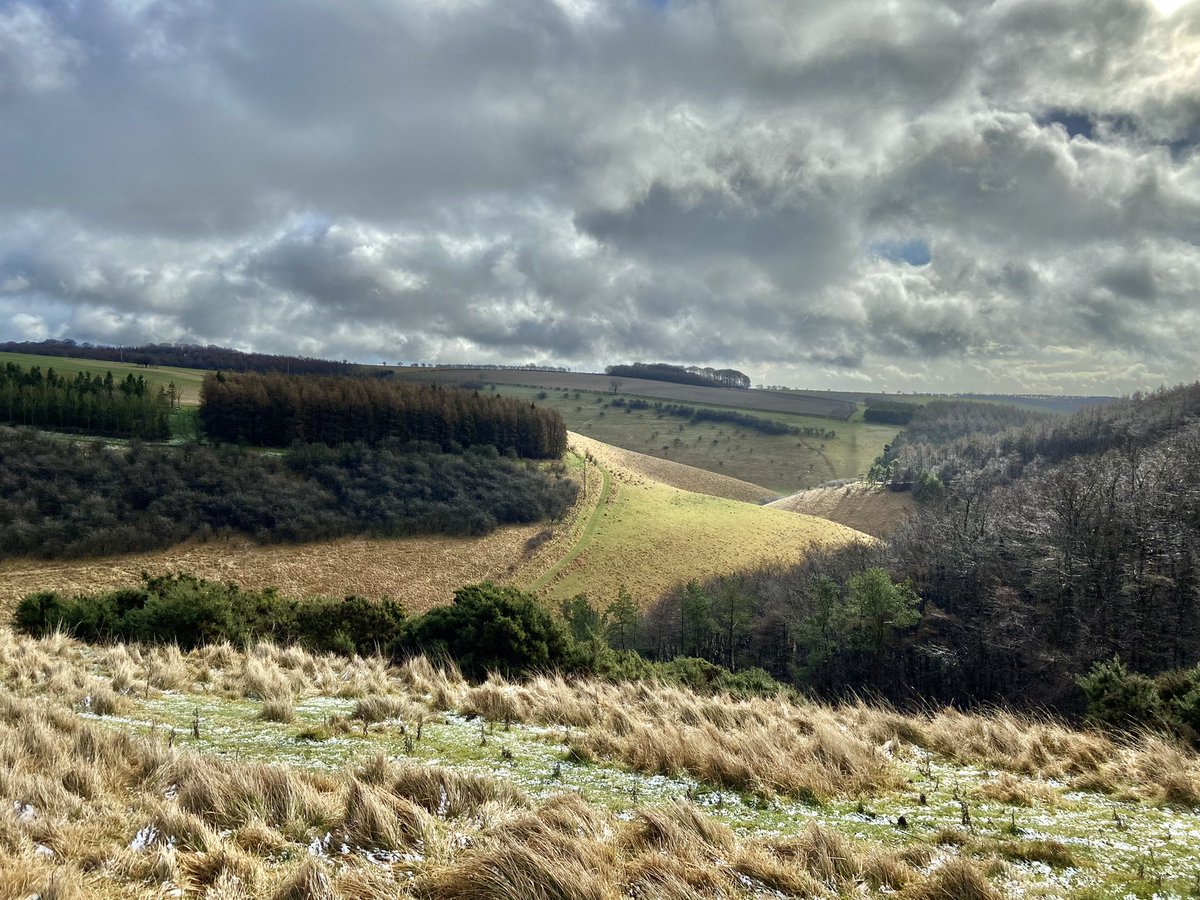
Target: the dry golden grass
pixel 420 572
pixel 766 746
pixel 156 821
pixel 91 811
pixel 664 471
pixel 861 506
pixel 763 745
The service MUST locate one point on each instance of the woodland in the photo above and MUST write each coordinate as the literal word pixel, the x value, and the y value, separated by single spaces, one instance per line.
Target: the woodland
pixel 1042 550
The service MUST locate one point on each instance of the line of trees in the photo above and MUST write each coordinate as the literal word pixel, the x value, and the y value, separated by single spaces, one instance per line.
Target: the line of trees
pixel 63 499
pixel 732 417
pixel 130 407
pixel 701 376
pixel 188 356
pixel 980 449
pixel 278 410
pixel 889 412
pixel 488 628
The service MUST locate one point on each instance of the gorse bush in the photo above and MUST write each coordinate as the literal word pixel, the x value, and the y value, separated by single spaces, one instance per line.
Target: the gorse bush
pixel 491 629
pixel 60 499
pixel 1123 700
pixel 191 612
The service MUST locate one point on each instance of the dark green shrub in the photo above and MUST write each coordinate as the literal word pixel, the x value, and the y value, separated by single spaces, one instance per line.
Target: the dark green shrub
pixel 189 618
pixel 351 625
pixel 490 628
pixel 41 612
pixel 1118 698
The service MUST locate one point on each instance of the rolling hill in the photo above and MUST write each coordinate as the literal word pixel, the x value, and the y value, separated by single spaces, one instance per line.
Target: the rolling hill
pixel 867 508
pixel 638 524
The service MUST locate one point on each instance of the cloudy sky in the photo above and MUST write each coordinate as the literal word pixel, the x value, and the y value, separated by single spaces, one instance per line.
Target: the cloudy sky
pixel 918 194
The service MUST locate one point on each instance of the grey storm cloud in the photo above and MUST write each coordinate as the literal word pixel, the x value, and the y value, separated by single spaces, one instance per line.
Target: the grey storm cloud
pixel 941 194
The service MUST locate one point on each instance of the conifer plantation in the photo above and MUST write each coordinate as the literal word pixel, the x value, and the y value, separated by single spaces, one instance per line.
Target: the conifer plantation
pixel 93 403
pixel 279 410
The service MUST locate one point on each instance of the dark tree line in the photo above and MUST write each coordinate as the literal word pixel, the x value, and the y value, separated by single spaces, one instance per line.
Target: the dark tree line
pixel 61 499
pixel 889 412
pixel 942 421
pixel 93 403
pixel 186 356
pixel 700 376
pixel 732 417
pixel 1023 573
pixel 278 410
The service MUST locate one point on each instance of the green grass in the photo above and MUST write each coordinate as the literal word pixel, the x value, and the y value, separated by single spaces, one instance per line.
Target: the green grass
pixel 651 537
pixel 187 381
pixel 585 539
pixel 781 463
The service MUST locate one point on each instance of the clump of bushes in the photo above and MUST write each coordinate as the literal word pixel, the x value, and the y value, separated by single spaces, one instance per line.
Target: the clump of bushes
pixel 1127 701
pixel 191 611
pixel 487 628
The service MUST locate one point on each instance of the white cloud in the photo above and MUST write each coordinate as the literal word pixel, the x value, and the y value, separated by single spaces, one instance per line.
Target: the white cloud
pixel 573 182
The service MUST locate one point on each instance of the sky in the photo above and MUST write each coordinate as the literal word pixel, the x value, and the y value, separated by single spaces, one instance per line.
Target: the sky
pixel 945 195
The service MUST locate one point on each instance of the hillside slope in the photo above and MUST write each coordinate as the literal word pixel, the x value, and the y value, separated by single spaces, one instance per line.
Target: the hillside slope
pixel 644 530
pixel 861 506
pixel 649 536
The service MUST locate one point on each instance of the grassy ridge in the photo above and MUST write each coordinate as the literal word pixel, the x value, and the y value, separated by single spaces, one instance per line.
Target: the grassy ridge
pixel 650 536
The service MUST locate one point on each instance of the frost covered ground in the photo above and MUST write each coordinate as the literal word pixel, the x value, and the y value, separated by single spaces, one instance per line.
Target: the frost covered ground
pixel 1046 840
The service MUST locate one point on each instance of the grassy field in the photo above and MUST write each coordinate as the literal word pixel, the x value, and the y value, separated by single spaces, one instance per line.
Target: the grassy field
pixel 780 463
pixel 186 381
pixel 650 536
pixel 792 402
pixel 419 571
pixel 146 772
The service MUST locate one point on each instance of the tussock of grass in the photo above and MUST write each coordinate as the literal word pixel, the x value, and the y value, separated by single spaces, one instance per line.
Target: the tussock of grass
pixel 373 818
pixel 278 709
pixel 441 791
pixel 309 881
pixel 122 811
pixel 1051 852
pixel 1014 791
pixel 955 879
pixel 380 707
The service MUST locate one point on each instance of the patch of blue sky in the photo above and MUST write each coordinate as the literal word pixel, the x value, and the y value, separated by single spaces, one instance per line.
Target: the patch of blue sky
pixel 914 251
